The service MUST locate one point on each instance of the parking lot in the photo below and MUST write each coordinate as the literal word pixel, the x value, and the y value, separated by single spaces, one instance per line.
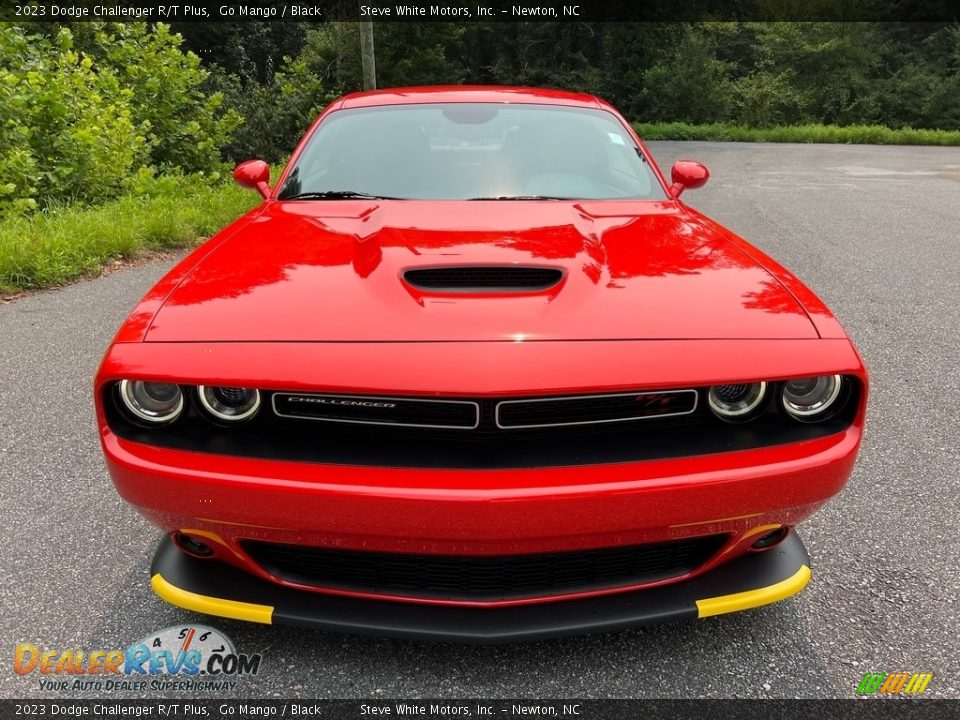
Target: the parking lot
pixel 874 230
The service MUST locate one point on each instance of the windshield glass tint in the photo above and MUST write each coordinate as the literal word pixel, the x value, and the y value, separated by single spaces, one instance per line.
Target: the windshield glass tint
pixel 467 151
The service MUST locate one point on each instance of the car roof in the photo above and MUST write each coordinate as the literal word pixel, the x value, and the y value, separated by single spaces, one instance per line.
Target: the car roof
pixel 469 94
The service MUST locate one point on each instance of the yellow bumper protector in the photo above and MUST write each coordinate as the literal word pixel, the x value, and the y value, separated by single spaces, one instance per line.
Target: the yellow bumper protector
pixel 211 605
pixel 754 598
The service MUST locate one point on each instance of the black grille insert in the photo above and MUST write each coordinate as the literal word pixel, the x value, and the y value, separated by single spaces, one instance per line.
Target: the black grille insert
pixel 484 278
pixel 369 410
pixel 483 578
pixel 591 409
pixel 486 447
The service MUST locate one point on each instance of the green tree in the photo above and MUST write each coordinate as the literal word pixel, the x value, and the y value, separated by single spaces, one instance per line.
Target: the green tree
pixel 631 49
pixel 186 125
pixel 277 112
pixel 691 84
pixel 920 85
pixel 67 131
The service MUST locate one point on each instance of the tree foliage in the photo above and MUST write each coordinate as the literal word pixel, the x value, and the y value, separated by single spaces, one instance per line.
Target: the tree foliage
pixel 83 109
pixel 754 74
pixel 84 106
pixel 65 130
pixel 185 124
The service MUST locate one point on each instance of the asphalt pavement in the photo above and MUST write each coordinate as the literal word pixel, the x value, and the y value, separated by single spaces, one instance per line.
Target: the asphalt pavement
pixel 874 230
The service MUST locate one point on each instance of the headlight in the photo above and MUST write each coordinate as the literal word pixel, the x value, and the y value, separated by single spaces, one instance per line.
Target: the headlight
pixel 807 399
pixel 736 402
pixel 230 404
pixel 152 402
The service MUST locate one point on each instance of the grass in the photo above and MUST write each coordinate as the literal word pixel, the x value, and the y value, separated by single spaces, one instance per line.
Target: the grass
pixel 61 244
pixel 856 134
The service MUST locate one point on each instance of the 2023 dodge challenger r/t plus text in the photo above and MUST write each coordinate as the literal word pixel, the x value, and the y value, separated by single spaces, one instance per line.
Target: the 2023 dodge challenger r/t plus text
pixel 473 371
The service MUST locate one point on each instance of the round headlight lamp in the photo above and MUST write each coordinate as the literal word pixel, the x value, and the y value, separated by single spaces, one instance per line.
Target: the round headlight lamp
pixel 809 399
pixel 736 402
pixel 150 402
pixel 229 404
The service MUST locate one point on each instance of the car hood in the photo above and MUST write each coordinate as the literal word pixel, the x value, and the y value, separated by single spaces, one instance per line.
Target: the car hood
pixel 333 271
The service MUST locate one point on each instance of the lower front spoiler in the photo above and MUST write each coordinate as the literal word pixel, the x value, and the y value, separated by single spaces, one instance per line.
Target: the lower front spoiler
pixel 214 588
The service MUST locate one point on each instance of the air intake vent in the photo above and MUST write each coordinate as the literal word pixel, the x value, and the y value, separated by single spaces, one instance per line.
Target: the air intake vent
pixel 484 278
pixel 484 578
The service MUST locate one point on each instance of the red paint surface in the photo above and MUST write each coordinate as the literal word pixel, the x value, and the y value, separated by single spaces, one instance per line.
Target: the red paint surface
pixel 308 296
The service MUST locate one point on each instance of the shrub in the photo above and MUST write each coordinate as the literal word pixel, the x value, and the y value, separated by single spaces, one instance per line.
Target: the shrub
pixel 186 127
pixel 765 99
pixel 689 85
pixel 858 134
pixel 82 110
pixel 66 131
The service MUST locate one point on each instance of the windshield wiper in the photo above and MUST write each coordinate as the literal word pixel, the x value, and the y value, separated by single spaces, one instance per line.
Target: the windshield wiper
pixel 523 197
pixel 338 195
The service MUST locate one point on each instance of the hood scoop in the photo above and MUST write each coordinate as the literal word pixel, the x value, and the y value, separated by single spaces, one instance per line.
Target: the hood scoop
pixel 483 278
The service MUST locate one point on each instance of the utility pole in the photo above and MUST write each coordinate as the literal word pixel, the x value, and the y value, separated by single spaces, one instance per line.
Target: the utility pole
pixel 367 56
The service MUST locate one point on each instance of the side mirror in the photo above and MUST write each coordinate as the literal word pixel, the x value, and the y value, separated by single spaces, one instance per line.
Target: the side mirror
pixel 687 174
pixel 254 174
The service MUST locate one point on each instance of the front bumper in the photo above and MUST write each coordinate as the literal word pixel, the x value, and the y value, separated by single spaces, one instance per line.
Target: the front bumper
pixel 215 588
pixel 225 502
pixel 228 501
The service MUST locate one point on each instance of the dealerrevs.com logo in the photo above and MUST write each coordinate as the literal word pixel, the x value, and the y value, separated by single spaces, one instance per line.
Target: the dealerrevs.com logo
pixel 184 658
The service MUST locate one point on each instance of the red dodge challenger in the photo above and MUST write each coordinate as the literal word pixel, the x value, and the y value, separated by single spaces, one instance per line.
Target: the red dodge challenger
pixel 473 371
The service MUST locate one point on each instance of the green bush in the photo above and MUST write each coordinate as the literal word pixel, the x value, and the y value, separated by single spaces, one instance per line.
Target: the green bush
pixel 855 134
pixel 82 111
pixel 66 131
pixel 766 99
pixel 186 127
pixel 690 84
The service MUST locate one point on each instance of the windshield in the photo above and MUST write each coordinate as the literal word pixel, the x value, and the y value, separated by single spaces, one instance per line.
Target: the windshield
pixel 471 151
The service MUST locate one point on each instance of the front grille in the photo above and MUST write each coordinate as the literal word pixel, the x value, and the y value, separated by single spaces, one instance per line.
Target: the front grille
pixel 485 415
pixel 368 410
pixel 483 578
pixel 484 278
pixel 446 432
pixel 586 410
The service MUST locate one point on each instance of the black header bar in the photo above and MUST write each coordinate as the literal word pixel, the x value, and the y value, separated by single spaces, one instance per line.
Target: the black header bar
pixel 445 709
pixel 479 10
